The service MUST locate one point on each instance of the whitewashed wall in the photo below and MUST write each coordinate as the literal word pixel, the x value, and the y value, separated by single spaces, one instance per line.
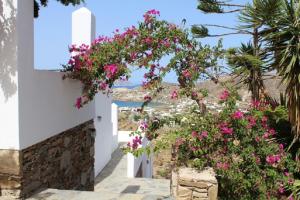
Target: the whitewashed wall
pixel 9 97
pixel 144 161
pixel 37 104
pixel 104 127
pixel 134 163
pixel 115 128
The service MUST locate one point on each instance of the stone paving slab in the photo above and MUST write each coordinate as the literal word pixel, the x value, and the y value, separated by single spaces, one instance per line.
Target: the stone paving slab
pixel 53 194
pixel 113 178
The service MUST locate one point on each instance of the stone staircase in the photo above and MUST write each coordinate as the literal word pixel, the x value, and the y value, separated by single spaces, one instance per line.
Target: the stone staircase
pixel 112 184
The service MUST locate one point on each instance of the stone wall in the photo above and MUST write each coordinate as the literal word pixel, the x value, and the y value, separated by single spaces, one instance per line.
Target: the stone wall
pixel 189 184
pixel 65 161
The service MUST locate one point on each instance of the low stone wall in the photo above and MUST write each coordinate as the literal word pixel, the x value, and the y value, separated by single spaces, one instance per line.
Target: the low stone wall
pixel 190 184
pixel 65 161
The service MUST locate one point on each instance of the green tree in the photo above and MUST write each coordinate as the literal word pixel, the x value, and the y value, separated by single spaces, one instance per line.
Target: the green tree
pixel 249 60
pixel 38 3
pixel 281 34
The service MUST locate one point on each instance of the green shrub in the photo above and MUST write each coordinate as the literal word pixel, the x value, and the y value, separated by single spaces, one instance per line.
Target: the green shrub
pixel 241 147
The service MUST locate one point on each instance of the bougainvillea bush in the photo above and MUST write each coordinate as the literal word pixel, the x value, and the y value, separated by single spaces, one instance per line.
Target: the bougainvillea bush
pixel 241 147
pixel 109 59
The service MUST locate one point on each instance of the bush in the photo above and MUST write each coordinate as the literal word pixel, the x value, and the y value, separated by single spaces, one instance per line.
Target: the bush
pixel 241 146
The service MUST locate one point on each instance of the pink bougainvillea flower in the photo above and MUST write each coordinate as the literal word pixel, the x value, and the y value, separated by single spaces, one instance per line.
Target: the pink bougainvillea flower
pixel 143 125
pixel 153 12
pixel 195 134
pixel 255 104
pixel 281 147
pixel 174 95
pixel 179 142
pixel 286 173
pixel 103 86
pixel 194 94
pixel 257 139
pixel 136 141
pixel 148 40
pixel 225 130
pixel 78 103
pixel 194 148
pixel 273 159
pixel 266 135
pixel 281 189
pixel 147 98
pixel 224 95
pixel 238 115
pixel 204 134
pixel 251 122
pixel 223 166
pixel 186 73
pixel 111 70
pixel 272 132
pixel 264 119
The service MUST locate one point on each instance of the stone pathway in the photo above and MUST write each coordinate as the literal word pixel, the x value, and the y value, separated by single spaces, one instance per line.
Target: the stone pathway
pixel 112 184
pixel 113 178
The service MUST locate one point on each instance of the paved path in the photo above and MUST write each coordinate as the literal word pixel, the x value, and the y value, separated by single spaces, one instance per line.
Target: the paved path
pixel 113 178
pixel 112 184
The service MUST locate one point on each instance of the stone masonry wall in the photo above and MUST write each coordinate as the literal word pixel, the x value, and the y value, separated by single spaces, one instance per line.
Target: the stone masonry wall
pixel 65 161
pixel 189 184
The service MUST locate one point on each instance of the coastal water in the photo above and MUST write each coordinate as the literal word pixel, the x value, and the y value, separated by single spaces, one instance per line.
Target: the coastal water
pixel 133 104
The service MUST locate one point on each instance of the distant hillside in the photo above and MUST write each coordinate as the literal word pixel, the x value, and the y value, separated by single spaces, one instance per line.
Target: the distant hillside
pixel 273 88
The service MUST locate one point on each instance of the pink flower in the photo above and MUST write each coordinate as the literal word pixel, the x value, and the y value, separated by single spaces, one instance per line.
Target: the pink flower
pixel 281 147
pixel 255 104
pixel 193 148
pixel 195 134
pixel 223 166
pixel 179 142
pixel 264 119
pixel 186 73
pixel 194 94
pixel 273 159
pixel 147 98
pixel 78 103
pixel 266 135
pixel 174 95
pixel 136 141
pixel 153 12
pixel 257 139
pixel 238 115
pixel 143 126
pixel 286 173
pixel 251 122
pixel 272 132
pixel 103 86
pixel 148 40
pixel 111 70
pixel 204 134
pixel 225 129
pixel 224 95
pixel 281 189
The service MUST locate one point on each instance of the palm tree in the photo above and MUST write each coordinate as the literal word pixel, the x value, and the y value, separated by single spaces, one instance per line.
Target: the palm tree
pixel 281 34
pixel 245 60
pixel 248 67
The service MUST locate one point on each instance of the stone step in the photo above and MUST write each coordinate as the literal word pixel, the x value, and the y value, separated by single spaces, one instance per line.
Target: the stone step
pixel 143 186
pixel 53 194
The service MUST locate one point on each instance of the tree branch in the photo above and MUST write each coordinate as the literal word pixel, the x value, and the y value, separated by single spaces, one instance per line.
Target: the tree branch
pixel 226 27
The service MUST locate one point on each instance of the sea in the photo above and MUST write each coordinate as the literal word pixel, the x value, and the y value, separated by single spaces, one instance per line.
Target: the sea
pixel 132 104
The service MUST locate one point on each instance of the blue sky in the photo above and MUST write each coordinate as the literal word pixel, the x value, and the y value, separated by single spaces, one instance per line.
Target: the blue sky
pixel 53 27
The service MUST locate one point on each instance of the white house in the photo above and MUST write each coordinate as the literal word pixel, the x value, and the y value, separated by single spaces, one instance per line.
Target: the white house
pixel 44 140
